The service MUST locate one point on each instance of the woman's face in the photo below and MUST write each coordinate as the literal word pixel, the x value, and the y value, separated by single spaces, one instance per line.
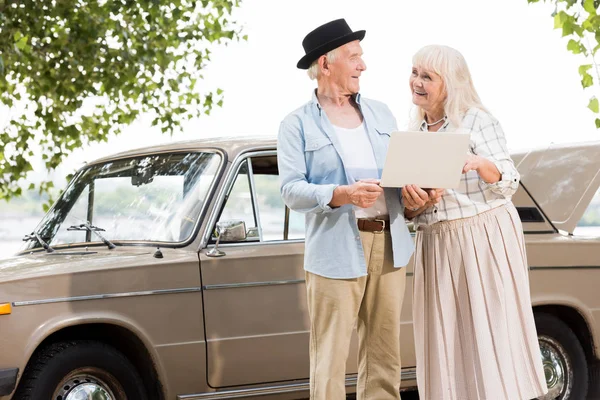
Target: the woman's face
pixel 427 89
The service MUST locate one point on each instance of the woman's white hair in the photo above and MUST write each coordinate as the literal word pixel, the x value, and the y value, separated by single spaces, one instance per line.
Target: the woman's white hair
pixel 314 71
pixel 458 84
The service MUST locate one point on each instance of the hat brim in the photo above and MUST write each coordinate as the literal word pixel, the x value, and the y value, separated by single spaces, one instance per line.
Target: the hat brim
pixel 309 58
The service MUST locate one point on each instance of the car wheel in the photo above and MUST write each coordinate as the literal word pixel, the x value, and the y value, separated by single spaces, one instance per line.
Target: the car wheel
pixel 80 370
pixel 564 361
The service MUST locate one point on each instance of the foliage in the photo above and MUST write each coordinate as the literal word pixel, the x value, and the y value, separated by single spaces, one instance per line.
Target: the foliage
pixel 73 72
pixel 580 22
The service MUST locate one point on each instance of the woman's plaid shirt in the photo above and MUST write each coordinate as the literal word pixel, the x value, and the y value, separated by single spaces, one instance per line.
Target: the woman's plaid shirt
pixel 475 196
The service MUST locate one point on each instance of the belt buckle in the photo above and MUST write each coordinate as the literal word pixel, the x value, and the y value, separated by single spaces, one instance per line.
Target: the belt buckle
pixel 382 225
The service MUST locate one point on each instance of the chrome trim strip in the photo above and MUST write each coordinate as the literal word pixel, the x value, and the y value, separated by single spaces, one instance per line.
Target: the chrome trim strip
pixel 408 375
pixel 105 296
pixel 563 267
pixel 229 181
pixel 251 284
pixel 256 243
pixel 254 198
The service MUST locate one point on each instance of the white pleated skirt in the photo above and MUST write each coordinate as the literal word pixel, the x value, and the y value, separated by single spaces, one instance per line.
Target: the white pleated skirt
pixel 475 336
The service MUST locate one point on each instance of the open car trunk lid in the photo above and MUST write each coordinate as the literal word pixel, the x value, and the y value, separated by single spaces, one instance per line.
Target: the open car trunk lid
pixel 562 179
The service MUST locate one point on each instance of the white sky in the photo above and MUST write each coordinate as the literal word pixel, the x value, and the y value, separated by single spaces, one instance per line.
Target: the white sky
pixel 520 66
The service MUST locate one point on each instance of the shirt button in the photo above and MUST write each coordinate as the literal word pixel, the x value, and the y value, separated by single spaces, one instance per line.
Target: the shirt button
pixel 358 238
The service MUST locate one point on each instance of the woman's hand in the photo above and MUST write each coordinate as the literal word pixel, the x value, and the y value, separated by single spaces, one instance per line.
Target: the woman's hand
pixel 486 169
pixel 473 163
pixel 415 197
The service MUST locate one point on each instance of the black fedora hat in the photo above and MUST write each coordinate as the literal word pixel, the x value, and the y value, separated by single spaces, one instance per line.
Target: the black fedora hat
pixel 325 38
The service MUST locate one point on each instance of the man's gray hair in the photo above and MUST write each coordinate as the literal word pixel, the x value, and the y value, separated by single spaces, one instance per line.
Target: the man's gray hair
pixel 314 71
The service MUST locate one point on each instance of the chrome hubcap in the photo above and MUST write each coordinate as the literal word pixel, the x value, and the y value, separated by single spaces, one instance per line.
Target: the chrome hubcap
pixel 557 369
pixel 84 387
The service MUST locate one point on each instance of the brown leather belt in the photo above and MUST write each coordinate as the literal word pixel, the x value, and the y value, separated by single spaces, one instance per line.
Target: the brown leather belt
pixel 373 225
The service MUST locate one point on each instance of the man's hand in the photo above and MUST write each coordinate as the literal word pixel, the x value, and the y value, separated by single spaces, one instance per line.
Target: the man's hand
pixel 361 194
pixel 364 193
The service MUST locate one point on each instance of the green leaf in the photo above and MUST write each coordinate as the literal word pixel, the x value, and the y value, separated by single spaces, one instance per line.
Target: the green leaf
pixel 594 105
pixel 584 68
pixel 588 5
pixel 567 28
pixel 597 123
pixel 587 81
pixel 21 43
pixel 559 19
pixel 574 46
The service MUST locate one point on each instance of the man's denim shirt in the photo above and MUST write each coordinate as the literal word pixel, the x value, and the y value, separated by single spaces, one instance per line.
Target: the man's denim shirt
pixel 311 167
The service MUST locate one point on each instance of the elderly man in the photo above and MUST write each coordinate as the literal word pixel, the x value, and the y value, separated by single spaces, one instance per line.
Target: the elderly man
pixel 331 152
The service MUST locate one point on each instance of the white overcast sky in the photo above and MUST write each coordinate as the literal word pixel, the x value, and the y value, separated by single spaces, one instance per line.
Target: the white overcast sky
pixel 520 65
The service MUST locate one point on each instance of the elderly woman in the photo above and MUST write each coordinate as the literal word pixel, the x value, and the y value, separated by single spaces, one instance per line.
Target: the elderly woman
pixel 474 328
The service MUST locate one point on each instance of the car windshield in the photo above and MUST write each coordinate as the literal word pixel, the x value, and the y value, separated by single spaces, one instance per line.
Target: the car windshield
pixel 156 198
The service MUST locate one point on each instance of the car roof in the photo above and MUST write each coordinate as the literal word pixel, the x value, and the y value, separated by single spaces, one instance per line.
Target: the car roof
pixel 232 146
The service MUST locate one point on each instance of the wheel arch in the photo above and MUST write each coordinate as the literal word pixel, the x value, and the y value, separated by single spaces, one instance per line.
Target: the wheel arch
pixel 122 338
pixel 578 323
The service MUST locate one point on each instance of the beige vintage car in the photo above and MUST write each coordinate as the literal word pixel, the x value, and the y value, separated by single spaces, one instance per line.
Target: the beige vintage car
pixel 122 291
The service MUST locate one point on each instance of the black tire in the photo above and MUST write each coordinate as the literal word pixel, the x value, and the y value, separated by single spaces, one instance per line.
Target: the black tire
pixel 556 336
pixel 594 387
pixel 62 362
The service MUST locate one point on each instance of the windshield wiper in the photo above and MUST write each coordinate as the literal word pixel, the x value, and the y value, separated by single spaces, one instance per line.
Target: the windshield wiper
pixel 36 236
pixel 95 229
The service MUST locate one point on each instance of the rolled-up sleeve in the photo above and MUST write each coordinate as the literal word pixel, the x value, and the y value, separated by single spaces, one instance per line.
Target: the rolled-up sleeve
pixel 490 143
pixel 297 193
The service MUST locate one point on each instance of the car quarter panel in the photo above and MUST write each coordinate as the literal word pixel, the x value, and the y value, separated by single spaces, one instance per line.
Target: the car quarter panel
pixel 565 270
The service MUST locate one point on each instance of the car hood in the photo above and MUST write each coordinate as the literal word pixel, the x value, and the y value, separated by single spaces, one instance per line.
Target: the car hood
pixel 40 264
pixel 562 179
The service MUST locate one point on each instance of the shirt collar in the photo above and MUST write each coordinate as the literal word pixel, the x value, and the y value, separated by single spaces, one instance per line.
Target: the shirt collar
pixel 424 127
pixel 315 99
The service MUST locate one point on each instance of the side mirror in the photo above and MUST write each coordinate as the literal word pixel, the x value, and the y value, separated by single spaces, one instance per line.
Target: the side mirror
pixel 228 231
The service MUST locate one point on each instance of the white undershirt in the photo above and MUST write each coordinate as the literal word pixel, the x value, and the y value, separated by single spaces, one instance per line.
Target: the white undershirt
pixel 360 163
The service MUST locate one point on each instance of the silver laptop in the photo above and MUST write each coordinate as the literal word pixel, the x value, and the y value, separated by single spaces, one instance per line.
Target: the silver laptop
pixel 425 159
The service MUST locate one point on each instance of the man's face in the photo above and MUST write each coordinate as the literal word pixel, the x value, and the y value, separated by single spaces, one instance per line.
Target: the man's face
pixel 347 67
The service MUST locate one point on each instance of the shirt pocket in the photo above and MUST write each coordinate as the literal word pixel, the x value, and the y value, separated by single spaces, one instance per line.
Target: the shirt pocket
pixel 384 132
pixel 321 159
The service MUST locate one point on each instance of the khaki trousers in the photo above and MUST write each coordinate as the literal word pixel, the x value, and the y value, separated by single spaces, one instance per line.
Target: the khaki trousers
pixel 334 307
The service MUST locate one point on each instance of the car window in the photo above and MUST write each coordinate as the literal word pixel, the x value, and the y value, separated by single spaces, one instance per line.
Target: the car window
pixel 589 224
pixel 239 205
pixel 255 199
pixel 147 198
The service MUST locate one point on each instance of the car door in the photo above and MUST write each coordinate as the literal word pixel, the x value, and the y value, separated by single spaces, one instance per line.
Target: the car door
pixel 256 319
pixel 257 326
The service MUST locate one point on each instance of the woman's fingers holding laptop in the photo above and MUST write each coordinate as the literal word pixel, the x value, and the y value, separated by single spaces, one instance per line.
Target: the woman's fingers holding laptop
pixel 414 196
pixel 435 195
